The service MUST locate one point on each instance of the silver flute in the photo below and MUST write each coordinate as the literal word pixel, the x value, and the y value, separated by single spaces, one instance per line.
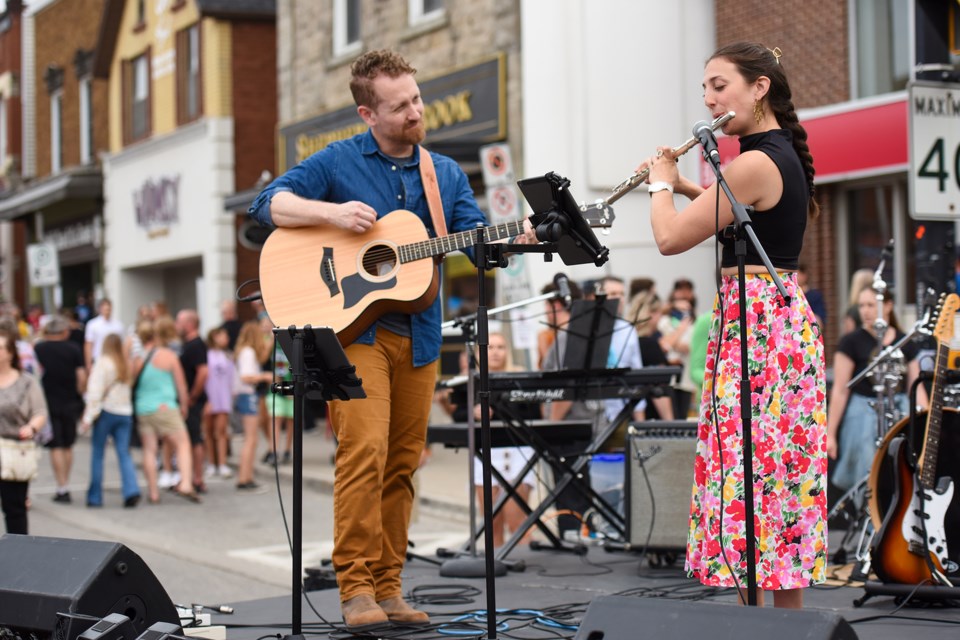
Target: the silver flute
pixel 634 181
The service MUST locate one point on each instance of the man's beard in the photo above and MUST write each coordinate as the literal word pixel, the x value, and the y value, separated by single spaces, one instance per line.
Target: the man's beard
pixel 413 135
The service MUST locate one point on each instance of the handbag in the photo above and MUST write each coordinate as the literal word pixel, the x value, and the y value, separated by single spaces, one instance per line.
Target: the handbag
pixel 18 460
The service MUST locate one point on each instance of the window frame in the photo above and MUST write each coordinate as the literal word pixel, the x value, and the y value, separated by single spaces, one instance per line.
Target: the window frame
pixel 188 54
pixel 418 14
pixel 128 81
pixel 85 99
pixel 56 131
pixel 343 47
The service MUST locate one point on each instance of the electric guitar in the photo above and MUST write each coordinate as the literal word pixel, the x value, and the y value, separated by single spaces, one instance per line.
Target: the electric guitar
pixel 912 543
pixel 327 276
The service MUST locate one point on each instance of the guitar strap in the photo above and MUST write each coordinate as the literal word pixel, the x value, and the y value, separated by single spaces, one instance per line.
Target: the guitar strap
pixel 432 190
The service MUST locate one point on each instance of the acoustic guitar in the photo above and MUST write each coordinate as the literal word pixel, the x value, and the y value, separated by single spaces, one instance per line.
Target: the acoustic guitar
pixel 330 277
pixel 911 544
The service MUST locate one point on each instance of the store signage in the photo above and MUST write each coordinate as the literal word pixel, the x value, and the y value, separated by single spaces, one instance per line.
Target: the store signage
pixel 157 203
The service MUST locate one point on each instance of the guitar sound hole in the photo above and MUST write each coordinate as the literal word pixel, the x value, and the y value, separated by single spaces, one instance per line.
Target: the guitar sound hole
pixel 379 260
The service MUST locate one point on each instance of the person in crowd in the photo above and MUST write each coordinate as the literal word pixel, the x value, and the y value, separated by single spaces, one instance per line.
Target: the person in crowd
pixel 193 359
pixel 349 185
pixel 860 280
pixel 132 346
pixel 509 461
pixel 280 412
pixel 161 403
pixel 814 296
pixel 644 313
pixel 557 317
pixel 64 381
pixel 852 430
pixel 76 327
pixel 82 308
pixel 774 174
pixel 97 329
pixel 25 352
pixel 699 339
pixel 219 390
pixel 251 350
pixel 109 410
pixel 642 285
pixel 230 322
pixel 23 412
pixel 676 330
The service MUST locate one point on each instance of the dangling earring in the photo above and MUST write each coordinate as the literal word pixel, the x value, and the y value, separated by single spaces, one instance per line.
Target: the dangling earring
pixel 758 111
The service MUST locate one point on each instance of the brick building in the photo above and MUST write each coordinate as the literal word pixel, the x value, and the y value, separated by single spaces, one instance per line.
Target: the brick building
pixel 58 199
pixel 12 235
pixel 191 86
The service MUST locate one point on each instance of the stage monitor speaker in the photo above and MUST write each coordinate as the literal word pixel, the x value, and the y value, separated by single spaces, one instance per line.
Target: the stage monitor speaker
pixel 659 477
pixel 41 577
pixel 623 618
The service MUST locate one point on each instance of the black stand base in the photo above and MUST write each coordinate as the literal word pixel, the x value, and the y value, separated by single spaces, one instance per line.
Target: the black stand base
pixel 926 593
pixel 470 568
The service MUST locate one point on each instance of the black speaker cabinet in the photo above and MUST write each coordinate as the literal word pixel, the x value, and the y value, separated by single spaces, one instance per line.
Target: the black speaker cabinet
pixel 659 478
pixel 41 577
pixel 623 618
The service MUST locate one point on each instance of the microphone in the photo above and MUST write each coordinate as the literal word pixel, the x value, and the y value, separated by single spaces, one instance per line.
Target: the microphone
pixel 563 289
pixel 703 132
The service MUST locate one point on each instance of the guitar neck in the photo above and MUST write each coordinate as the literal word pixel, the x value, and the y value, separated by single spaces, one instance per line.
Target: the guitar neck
pixel 931 444
pixel 458 241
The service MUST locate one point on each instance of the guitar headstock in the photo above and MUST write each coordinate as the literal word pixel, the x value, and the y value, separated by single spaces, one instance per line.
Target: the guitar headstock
pixel 598 215
pixel 946 310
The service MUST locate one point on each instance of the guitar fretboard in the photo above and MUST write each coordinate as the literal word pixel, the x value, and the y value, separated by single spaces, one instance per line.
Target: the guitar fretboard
pixel 931 446
pixel 458 241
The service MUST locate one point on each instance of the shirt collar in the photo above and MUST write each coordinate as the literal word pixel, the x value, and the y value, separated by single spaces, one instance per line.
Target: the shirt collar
pixel 369 147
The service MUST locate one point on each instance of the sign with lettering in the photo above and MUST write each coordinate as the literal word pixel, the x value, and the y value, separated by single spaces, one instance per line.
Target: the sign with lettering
pixel 934 150
pixel 465 106
pixel 157 203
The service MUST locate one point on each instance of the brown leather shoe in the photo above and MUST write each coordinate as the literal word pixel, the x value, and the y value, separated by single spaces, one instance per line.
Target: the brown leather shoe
pixel 399 612
pixel 362 612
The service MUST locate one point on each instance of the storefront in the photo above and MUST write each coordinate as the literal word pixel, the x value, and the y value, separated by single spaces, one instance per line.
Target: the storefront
pixel 166 238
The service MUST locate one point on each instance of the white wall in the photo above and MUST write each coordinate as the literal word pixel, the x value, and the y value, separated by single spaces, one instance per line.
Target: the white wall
pixel 605 83
pixel 134 260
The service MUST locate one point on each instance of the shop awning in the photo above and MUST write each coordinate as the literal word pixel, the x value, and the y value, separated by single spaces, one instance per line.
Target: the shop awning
pixel 83 183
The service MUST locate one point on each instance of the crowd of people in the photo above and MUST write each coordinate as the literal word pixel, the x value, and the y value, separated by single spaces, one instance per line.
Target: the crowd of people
pixel 156 386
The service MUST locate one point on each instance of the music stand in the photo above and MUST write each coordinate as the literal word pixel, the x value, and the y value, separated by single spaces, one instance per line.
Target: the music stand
pixel 590 333
pixel 321 371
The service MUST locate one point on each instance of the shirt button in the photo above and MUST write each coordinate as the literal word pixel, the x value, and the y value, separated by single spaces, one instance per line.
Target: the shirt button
pixel 399 197
pixel 394 167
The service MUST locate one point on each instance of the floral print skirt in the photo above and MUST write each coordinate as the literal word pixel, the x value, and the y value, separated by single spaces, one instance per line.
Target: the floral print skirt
pixel 788 392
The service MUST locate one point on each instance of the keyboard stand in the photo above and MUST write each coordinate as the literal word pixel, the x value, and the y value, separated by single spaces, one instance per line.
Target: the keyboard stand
pixel 572 475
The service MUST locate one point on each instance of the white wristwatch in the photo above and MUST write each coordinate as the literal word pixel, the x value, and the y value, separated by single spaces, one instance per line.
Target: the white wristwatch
pixel 660 186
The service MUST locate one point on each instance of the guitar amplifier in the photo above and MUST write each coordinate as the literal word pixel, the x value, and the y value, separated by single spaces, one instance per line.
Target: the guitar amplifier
pixel 659 479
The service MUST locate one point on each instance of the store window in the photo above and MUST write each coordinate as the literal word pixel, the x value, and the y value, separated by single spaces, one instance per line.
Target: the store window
pixel 346 27
pixel 881 46
pixel 875 215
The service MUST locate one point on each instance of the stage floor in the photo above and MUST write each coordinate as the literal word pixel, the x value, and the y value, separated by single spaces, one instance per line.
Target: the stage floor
pixel 549 598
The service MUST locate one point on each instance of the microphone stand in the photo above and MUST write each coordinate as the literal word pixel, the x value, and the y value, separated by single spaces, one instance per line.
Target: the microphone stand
pixel 742 231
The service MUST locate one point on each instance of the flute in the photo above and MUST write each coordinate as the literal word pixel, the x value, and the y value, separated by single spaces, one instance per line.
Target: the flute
pixel 634 181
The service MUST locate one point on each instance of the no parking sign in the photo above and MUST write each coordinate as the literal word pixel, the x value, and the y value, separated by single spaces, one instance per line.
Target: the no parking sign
pixel 497 165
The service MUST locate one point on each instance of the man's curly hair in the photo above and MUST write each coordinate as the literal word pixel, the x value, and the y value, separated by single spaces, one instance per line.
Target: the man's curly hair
pixel 367 67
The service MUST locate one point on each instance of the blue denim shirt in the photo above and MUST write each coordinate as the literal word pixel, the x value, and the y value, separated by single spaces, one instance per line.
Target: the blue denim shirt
pixel 356 169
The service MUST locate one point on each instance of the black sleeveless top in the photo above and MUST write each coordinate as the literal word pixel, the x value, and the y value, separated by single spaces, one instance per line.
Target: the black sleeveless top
pixel 780 228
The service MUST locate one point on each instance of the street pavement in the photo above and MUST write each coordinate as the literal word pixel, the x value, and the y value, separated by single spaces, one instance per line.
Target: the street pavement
pixel 233 547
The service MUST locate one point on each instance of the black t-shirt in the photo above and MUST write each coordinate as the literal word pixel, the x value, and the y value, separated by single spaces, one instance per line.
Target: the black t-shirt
pixel 60 360
pixel 232 327
pixel 192 356
pixel 860 346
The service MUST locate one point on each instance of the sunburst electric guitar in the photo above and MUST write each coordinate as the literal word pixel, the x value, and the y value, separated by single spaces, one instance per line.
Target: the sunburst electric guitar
pixel 326 276
pixel 912 543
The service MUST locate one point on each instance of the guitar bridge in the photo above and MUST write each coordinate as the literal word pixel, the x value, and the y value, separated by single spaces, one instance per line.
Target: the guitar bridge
pixel 328 272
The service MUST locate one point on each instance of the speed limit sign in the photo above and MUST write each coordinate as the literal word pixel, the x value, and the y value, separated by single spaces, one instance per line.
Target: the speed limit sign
pixel 934 150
